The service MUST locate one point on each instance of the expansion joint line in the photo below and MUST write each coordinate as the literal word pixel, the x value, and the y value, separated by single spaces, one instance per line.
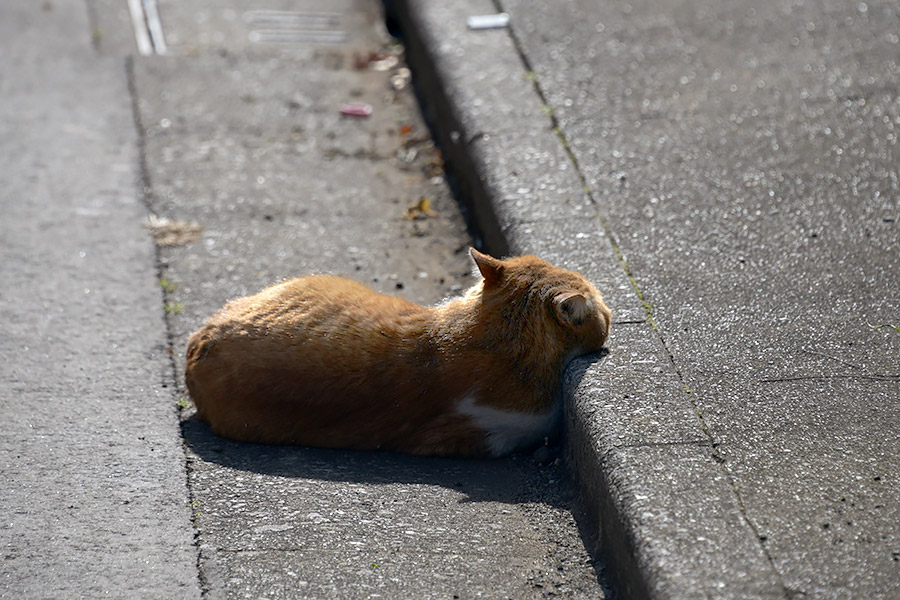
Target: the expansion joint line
pixel 548 110
pixel 145 190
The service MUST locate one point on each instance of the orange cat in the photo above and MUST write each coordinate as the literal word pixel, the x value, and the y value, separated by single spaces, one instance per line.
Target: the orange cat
pixel 325 361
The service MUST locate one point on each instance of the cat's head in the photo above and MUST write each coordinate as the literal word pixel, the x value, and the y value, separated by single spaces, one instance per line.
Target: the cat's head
pixel 531 288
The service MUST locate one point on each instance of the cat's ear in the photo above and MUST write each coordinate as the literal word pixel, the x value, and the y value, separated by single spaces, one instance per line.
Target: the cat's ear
pixel 571 308
pixel 491 268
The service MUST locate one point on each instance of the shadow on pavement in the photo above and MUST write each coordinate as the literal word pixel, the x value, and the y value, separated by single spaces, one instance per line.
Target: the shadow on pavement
pixel 516 479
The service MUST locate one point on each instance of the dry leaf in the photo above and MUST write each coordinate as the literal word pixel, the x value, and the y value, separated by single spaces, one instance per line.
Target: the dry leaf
pixel 167 232
pixel 420 210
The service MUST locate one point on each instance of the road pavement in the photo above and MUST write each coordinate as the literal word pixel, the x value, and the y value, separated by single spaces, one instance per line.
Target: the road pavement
pixel 93 471
pixel 728 174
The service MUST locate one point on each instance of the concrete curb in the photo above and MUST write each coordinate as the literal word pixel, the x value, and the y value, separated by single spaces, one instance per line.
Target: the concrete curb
pixel 666 516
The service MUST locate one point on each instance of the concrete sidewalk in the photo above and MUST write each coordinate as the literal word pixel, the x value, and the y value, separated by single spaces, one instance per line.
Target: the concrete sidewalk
pixel 741 438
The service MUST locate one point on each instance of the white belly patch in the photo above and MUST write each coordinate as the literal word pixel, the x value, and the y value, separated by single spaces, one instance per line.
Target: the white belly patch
pixel 507 431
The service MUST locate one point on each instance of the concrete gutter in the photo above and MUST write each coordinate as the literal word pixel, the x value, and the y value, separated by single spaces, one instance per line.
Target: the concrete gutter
pixel 665 513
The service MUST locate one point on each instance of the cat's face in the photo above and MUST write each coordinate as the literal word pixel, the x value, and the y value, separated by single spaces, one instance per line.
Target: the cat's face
pixel 577 307
pixel 564 298
pixel 586 315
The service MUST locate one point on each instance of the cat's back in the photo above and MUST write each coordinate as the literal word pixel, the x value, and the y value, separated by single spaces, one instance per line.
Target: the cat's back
pixel 255 366
pixel 313 302
pixel 324 319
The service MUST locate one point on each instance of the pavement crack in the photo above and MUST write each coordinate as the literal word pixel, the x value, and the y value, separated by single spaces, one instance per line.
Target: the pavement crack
pixel 834 358
pixel 94 23
pixel 696 443
pixel 535 80
pixel 169 381
pixel 870 377
pixel 560 134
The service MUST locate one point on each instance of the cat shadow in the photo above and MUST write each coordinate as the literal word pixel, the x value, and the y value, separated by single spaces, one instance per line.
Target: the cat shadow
pixel 577 368
pixel 520 478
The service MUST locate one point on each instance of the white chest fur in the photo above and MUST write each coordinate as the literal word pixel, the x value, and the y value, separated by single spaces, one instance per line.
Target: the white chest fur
pixel 507 431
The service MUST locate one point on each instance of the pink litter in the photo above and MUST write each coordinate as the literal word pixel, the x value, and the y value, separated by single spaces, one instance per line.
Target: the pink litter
pixel 356 109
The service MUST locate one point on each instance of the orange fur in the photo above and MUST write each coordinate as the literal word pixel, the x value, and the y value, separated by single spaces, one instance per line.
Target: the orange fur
pixel 326 361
